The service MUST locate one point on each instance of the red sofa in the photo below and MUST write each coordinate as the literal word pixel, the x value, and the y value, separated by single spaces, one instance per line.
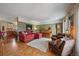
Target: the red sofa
pixel 37 35
pixel 26 37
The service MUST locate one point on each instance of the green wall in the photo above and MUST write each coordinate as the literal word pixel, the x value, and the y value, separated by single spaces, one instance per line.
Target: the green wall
pixel 53 27
pixel 21 26
pixel 45 26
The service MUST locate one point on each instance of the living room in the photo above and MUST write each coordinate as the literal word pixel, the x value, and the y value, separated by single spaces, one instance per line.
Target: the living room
pixel 36 29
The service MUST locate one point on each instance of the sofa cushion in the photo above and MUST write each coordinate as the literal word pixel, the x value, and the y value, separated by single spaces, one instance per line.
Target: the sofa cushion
pixel 69 44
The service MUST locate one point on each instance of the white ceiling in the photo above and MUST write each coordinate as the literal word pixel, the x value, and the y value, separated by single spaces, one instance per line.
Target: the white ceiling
pixel 38 12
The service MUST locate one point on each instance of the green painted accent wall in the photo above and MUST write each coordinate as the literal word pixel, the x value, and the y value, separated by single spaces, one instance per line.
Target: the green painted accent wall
pixel 21 26
pixel 45 26
pixel 53 27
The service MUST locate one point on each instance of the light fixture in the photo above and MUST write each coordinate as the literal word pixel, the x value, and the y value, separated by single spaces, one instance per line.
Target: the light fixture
pixel 35 28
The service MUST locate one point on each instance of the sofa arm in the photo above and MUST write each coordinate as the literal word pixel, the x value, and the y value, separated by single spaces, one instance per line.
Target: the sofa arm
pixel 54 48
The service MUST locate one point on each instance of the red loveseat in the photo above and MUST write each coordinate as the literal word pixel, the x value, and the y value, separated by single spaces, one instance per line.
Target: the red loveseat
pixel 26 37
pixel 37 35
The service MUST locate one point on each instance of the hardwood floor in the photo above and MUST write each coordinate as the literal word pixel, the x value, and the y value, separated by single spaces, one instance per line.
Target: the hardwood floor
pixel 20 49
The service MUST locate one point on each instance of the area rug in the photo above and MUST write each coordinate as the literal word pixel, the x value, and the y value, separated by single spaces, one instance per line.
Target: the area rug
pixel 41 44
